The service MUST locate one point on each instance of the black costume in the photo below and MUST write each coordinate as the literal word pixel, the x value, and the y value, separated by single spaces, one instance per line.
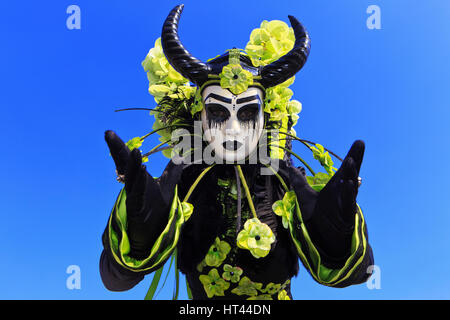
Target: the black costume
pixel 203 214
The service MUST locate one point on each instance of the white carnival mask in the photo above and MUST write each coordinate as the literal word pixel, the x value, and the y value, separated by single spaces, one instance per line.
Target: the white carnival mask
pixel 232 123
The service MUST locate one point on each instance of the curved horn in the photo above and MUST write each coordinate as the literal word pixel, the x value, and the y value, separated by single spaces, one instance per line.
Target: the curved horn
pixel 291 63
pixel 179 58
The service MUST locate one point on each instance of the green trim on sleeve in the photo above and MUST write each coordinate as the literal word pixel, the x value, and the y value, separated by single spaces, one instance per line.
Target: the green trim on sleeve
pixel 164 245
pixel 311 259
pixel 309 255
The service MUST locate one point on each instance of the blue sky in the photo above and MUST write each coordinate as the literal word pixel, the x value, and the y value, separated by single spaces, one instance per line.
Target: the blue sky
pixel 388 87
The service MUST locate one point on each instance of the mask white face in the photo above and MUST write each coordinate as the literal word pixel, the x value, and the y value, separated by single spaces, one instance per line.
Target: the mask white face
pixel 232 123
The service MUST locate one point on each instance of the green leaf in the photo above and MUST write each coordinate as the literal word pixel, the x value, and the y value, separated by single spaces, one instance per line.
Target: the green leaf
pixel 177 278
pixel 320 147
pixel 269 42
pixel 167 275
pixel 188 289
pixel 134 143
pixel 289 197
pixel 187 210
pixel 321 178
pixel 154 284
pixel 278 207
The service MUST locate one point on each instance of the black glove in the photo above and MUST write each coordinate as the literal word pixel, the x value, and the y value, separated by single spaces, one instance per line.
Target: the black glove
pixel 148 200
pixel 330 214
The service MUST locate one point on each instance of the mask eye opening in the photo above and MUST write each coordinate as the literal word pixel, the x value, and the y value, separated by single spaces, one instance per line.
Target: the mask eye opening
pixel 248 115
pixel 216 114
pixel 248 112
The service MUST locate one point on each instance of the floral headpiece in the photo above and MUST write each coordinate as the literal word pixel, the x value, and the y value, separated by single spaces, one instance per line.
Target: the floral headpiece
pixel 273 55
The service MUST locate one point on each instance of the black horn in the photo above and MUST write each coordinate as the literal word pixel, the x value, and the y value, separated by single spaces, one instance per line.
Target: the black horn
pixel 288 65
pixel 179 58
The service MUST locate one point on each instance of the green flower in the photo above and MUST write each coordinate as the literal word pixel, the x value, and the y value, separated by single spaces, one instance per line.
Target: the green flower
pixel 272 288
pixel 276 102
pixel 232 274
pixel 159 91
pixel 185 91
pixel 293 108
pixel 282 295
pixel 213 284
pixel 247 287
pixel 174 91
pixel 285 207
pixel 235 78
pixel 217 253
pixel 158 68
pixel 324 158
pixel 256 237
pixel 269 42
pixel 163 79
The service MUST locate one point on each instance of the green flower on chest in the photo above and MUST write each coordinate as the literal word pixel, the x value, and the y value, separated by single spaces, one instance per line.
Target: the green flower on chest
pixel 247 287
pixel 257 237
pixel 232 274
pixel 213 284
pixel 217 253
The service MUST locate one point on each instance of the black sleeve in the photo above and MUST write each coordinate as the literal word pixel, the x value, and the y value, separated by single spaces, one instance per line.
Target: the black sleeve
pixel 335 254
pixel 115 277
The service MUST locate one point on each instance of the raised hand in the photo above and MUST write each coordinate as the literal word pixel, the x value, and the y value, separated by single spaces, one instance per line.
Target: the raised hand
pixel 339 194
pixel 119 151
pixel 330 214
pixel 148 200
pixel 129 170
pixel 129 166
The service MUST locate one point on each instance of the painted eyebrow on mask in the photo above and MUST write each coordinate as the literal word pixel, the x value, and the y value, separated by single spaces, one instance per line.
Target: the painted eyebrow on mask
pixel 247 99
pixel 217 97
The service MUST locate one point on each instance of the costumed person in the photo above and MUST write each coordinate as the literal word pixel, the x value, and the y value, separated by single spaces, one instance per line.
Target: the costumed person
pixel 234 232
